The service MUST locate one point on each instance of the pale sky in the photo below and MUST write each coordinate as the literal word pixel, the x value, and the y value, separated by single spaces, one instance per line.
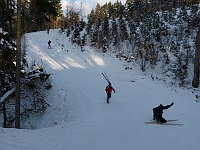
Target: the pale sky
pixel 88 5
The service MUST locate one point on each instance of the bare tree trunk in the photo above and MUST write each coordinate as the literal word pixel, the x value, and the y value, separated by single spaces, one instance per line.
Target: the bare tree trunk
pixel 4 115
pixel 17 91
pixel 1 68
pixel 195 82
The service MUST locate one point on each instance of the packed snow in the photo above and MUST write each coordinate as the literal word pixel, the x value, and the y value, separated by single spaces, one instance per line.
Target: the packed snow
pixel 79 117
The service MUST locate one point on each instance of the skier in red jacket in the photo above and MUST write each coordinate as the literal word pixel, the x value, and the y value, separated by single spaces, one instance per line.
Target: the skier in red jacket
pixel 109 90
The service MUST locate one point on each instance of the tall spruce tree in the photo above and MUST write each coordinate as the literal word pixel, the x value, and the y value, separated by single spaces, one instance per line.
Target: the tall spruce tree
pixel 7 46
pixel 7 12
pixel 7 57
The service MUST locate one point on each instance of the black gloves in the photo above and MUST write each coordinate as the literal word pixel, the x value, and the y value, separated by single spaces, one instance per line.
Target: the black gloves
pixel 171 104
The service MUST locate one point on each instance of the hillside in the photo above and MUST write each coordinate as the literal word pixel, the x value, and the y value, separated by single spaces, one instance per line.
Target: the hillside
pixel 79 117
pixel 159 40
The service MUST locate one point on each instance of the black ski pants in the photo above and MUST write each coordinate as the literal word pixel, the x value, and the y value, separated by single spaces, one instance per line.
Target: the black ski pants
pixel 160 119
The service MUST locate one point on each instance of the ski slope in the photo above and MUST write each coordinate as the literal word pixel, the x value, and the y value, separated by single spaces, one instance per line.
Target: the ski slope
pixel 79 117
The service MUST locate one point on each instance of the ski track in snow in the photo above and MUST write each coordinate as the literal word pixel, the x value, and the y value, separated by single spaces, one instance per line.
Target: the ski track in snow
pixel 79 117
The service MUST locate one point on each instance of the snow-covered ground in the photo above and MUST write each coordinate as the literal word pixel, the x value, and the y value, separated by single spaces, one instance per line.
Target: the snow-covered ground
pixel 79 117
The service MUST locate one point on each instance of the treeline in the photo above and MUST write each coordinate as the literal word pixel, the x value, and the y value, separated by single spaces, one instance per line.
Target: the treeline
pixel 36 14
pixel 134 7
pixel 111 22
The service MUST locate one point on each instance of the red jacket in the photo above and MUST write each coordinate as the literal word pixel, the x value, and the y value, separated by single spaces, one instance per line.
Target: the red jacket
pixel 109 89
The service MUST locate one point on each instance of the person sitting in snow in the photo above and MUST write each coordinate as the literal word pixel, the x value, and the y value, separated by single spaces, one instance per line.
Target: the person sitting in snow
pixel 109 90
pixel 158 111
pixel 49 44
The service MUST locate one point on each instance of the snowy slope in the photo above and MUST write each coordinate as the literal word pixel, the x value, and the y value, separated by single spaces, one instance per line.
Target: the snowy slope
pixel 79 117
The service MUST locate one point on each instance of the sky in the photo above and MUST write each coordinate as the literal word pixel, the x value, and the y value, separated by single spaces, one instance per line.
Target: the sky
pixel 79 117
pixel 89 4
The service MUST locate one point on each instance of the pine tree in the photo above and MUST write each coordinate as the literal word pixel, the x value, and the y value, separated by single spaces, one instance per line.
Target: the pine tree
pixel 7 12
pixel 42 12
pixel 123 29
pixel 91 17
pixel 7 57
pixel 114 32
pixel 7 45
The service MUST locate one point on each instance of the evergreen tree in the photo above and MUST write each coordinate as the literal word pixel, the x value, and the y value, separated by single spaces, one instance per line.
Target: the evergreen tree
pixel 41 12
pixel 7 45
pixel 114 33
pixel 91 17
pixel 7 57
pixel 110 10
pixel 7 12
pixel 123 29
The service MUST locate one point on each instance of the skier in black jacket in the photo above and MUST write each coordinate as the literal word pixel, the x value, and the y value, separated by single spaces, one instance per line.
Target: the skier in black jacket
pixel 158 111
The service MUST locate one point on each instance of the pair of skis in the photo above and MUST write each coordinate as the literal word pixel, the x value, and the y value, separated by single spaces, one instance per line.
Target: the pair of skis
pixel 167 123
pixel 106 77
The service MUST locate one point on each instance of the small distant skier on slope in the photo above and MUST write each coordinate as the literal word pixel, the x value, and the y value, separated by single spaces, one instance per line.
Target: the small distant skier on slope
pixel 109 90
pixel 158 111
pixel 49 44
pixel 48 30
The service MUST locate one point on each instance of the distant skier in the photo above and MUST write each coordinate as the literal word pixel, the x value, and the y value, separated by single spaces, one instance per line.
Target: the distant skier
pixel 48 30
pixel 49 44
pixel 158 111
pixel 109 90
